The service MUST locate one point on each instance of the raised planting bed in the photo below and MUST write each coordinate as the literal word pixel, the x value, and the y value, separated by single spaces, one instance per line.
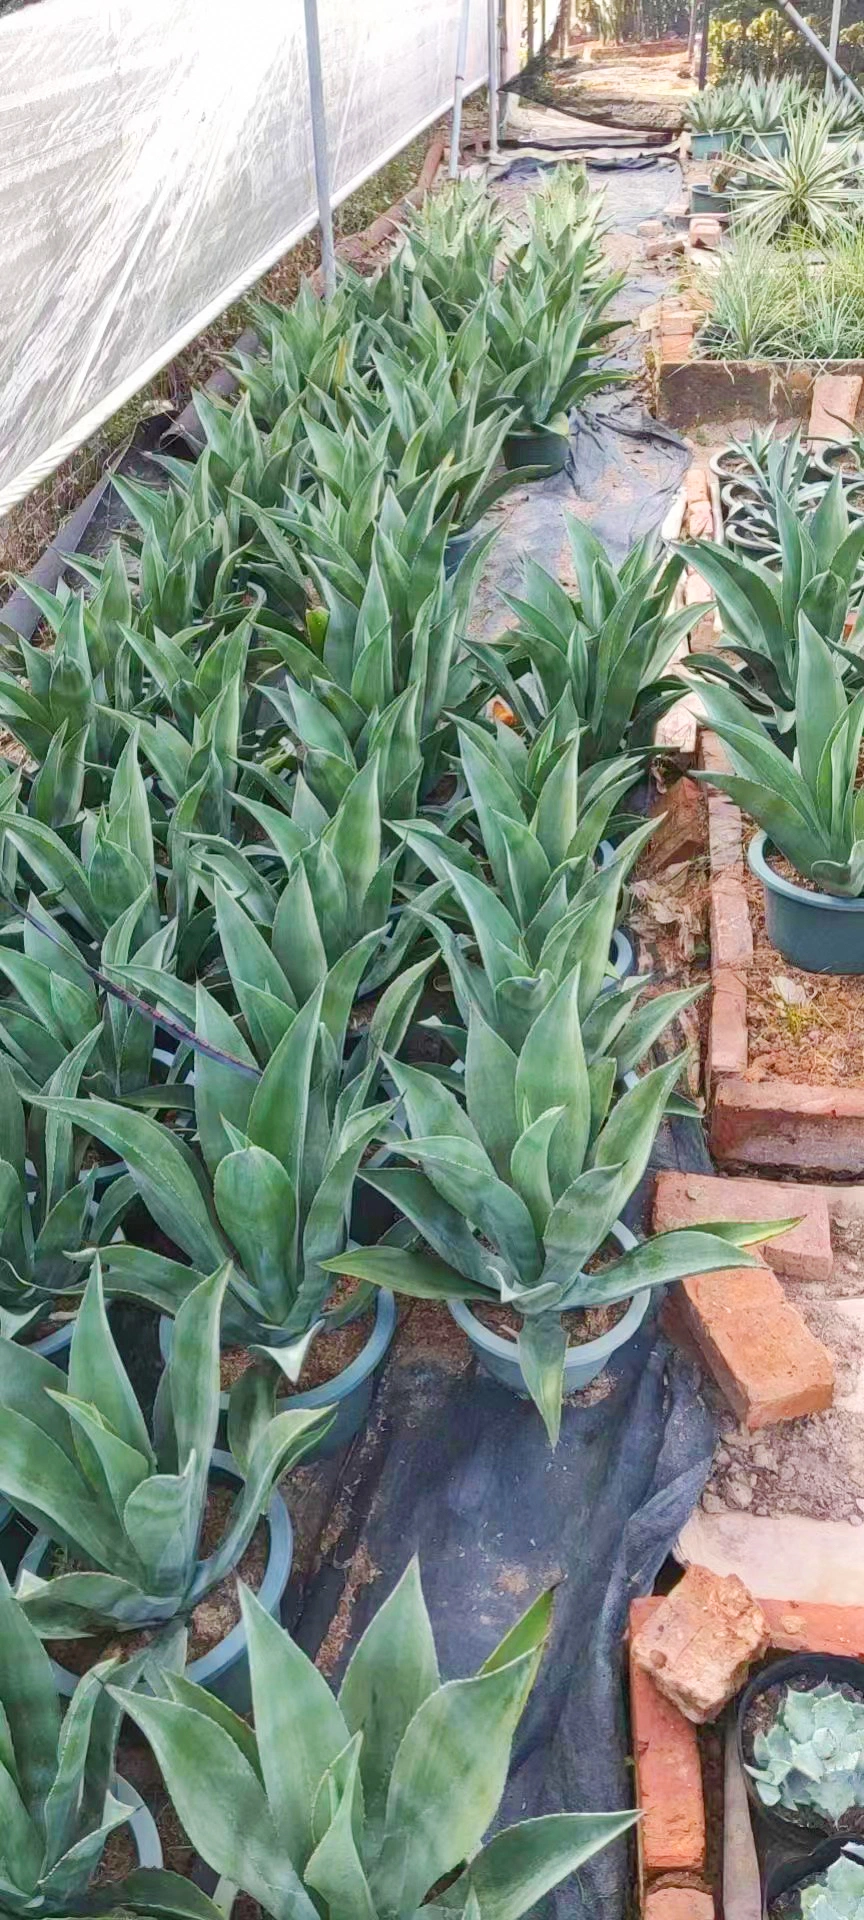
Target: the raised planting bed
pixel 690 390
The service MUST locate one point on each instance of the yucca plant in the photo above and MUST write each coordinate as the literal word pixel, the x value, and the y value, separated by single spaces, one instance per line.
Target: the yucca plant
pixel 48 1205
pixel 763 613
pixel 836 1894
pixel 811 808
pixel 807 190
pixel 271 1187
pixel 58 1779
pixel 512 1198
pixel 606 650
pixel 399 1776
pixel 126 1503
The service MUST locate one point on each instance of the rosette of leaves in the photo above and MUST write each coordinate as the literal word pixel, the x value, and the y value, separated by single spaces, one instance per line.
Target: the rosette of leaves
pixel 810 1761
pixel 127 1503
pixel 400 1776
pixel 272 1185
pixel 607 650
pixel 763 613
pixel 307 348
pixel 512 1195
pixel 57 1779
pixel 809 190
pixel 837 1894
pixel 545 347
pixel 48 1204
pixel 811 807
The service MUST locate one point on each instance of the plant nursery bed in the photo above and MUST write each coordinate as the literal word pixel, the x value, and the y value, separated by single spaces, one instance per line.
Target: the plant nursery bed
pixel 691 391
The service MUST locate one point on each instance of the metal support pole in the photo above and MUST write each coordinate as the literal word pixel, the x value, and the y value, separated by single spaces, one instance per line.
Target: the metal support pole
pixel 319 147
pixel 814 41
pixel 494 74
pixel 691 38
pixel 458 89
pixel 833 42
pixel 703 45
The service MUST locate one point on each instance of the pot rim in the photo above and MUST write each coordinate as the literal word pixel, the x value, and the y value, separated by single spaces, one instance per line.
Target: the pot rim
pixel 343 1384
pixel 818 902
pixel 575 1357
pixel 276 1574
pixel 839 1667
pixel 141 1823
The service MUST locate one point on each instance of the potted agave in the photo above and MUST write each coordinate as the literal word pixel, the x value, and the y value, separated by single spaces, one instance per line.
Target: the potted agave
pixel 128 1505
pixel 397 1777
pixel 809 853
pixel 516 1198
pixel 62 1797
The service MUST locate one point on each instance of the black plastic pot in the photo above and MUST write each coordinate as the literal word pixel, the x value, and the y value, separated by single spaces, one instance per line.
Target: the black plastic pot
pixel 785 1874
pixel 818 932
pixel 224 1671
pixel 840 1670
pixel 541 447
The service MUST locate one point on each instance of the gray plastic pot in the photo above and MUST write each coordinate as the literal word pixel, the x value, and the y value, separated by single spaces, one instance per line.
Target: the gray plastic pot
pixel 582 1364
pixel 706 200
pixel 815 931
pixel 536 447
pixel 224 1671
pixel 350 1392
pixel 709 146
pixel 142 1826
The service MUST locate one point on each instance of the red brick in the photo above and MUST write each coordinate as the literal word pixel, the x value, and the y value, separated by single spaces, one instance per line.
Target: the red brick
pixel 678 1903
pixel 785 1123
pixel 713 756
pixel 668 1780
pixel 681 831
pixel 762 1355
pixel 804 1253
pixel 815 1627
pixel 727 1032
pixel 696 485
pixel 833 406
pixel 725 839
pixel 701 1642
pixel 696 592
pixel 700 521
pixel 705 231
pixel 731 934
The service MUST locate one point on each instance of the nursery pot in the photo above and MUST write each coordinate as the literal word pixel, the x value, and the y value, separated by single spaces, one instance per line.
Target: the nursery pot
pixel 773 143
pixel 834 1667
pixel 706 200
pixel 536 447
pixel 582 1364
pixel 785 1870
pixel 224 1671
pixel 350 1391
pixel 455 548
pixel 818 932
pixel 142 1826
pixel 837 457
pixel 709 146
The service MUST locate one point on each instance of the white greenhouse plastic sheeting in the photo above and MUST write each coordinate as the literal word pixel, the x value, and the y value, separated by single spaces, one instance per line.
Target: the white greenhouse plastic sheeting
pixel 156 159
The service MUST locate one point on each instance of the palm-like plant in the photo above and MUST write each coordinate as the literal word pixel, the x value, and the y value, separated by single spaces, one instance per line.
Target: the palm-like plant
pixel 78 1460
pixel 812 808
pixel 57 1779
pixel 806 190
pixel 512 1198
pixel 605 652
pixel 398 1776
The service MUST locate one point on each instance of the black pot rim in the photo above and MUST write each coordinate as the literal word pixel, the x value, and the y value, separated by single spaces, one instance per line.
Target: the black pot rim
pixel 817 902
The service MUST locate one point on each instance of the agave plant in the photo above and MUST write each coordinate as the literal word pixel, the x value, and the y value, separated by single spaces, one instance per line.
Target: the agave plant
pixel 279 1152
pixel 763 613
pixel 307 348
pixel 128 1505
pixel 57 1782
pixel 836 1894
pixel 716 110
pixel 48 1205
pixel 806 190
pixel 451 246
pixel 810 1758
pixel 399 1776
pixel 512 1198
pixel 546 353
pixel 606 652
pixel 811 808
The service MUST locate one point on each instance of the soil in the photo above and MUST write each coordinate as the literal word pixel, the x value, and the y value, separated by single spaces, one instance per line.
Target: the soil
pixel 213 1618
pixel 711 1743
pixel 328 1356
pixel 119 1858
pixel 762 1714
pixel 582 1325
pixel 811 1026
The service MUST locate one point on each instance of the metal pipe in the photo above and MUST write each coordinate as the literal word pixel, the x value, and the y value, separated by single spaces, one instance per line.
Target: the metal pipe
pixel 691 37
pixel 494 74
pixel 319 147
pixel 833 41
pixel 458 90
pixel 814 41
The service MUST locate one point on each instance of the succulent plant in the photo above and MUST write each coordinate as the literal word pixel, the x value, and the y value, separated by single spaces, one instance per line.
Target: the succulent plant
pixel 837 1894
pixel 56 1778
pixel 808 190
pixel 76 1458
pixel 512 1198
pixel 811 1758
pixel 606 651
pixel 399 1776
